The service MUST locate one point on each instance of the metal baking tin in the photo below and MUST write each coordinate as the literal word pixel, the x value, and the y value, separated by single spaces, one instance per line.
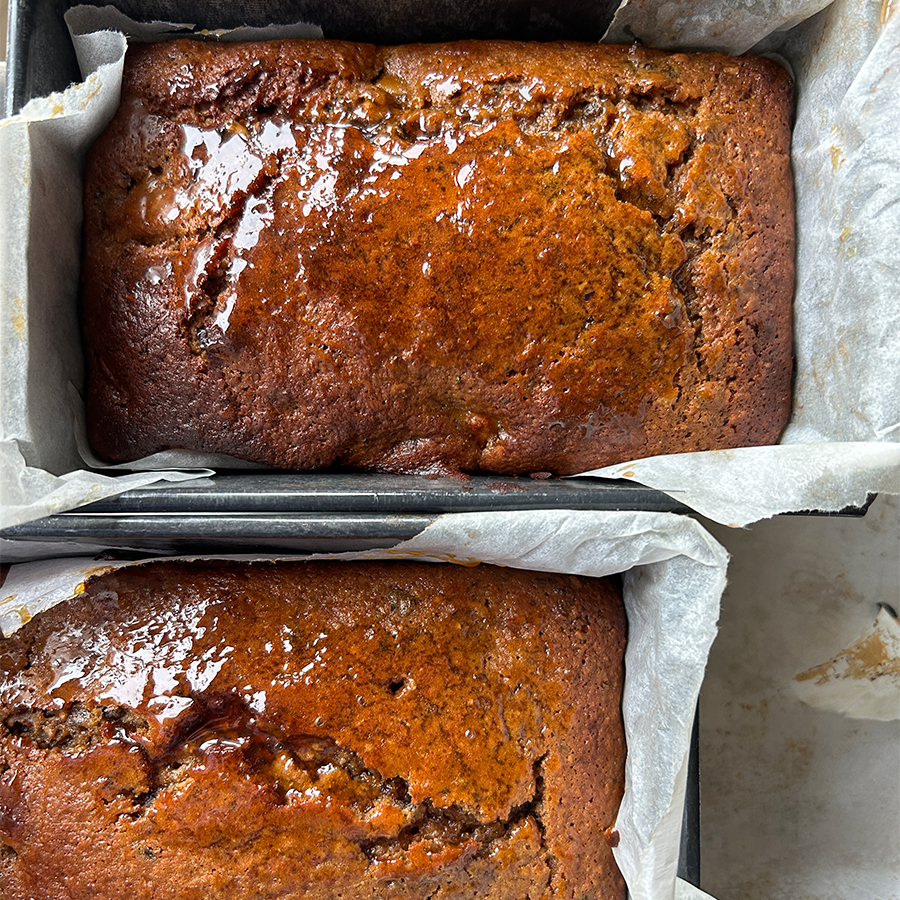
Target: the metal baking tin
pixel 320 512
pixel 300 513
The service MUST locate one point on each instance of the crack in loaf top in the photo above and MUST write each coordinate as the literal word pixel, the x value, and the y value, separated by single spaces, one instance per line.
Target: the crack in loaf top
pixel 498 256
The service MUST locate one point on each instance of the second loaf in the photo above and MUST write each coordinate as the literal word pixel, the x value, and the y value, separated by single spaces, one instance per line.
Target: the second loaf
pixel 325 731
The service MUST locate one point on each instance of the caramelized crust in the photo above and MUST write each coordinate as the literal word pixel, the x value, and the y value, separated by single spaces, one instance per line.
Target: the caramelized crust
pixel 318 730
pixel 473 256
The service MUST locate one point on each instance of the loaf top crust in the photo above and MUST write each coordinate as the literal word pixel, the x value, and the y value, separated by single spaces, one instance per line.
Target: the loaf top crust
pixel 316 730
pixel 472 256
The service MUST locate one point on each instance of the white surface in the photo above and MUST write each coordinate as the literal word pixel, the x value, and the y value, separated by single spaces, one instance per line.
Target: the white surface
pixel 798 803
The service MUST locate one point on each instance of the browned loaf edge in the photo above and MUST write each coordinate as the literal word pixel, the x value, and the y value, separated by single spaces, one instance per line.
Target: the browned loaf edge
pixel 474 256
pixel 318 730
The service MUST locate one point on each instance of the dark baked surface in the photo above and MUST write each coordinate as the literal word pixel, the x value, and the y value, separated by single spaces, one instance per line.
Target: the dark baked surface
pixel 323 730
pixel 474 256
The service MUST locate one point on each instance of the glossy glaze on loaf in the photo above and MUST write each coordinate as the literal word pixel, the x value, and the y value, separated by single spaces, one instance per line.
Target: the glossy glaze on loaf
pixel 320 730
pixel 475 256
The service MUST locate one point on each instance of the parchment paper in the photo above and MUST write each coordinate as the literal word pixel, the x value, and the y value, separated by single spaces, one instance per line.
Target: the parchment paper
pixel 731 25
pixel 847 167
pixel 674 578
pixel 861 681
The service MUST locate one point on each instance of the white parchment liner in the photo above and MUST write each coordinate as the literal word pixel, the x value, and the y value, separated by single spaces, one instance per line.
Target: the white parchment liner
pixel 674 578
pixel 844 438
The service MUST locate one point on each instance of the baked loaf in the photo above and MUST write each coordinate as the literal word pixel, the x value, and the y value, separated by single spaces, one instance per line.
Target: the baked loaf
pixel 474 256
pixel 319 730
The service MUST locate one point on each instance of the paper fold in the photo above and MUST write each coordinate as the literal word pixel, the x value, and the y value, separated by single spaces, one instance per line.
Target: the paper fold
pixel 862 681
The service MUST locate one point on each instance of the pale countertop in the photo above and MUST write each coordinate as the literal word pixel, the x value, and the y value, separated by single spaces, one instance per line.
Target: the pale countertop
pixel 794 800
pixel 798 803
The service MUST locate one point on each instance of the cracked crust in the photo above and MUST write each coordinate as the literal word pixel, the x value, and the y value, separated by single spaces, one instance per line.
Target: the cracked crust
pixel 475 256
pixel 317 730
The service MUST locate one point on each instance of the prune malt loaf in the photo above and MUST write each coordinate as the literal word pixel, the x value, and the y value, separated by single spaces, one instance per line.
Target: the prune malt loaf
pixel 474 256
pixel 314 730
